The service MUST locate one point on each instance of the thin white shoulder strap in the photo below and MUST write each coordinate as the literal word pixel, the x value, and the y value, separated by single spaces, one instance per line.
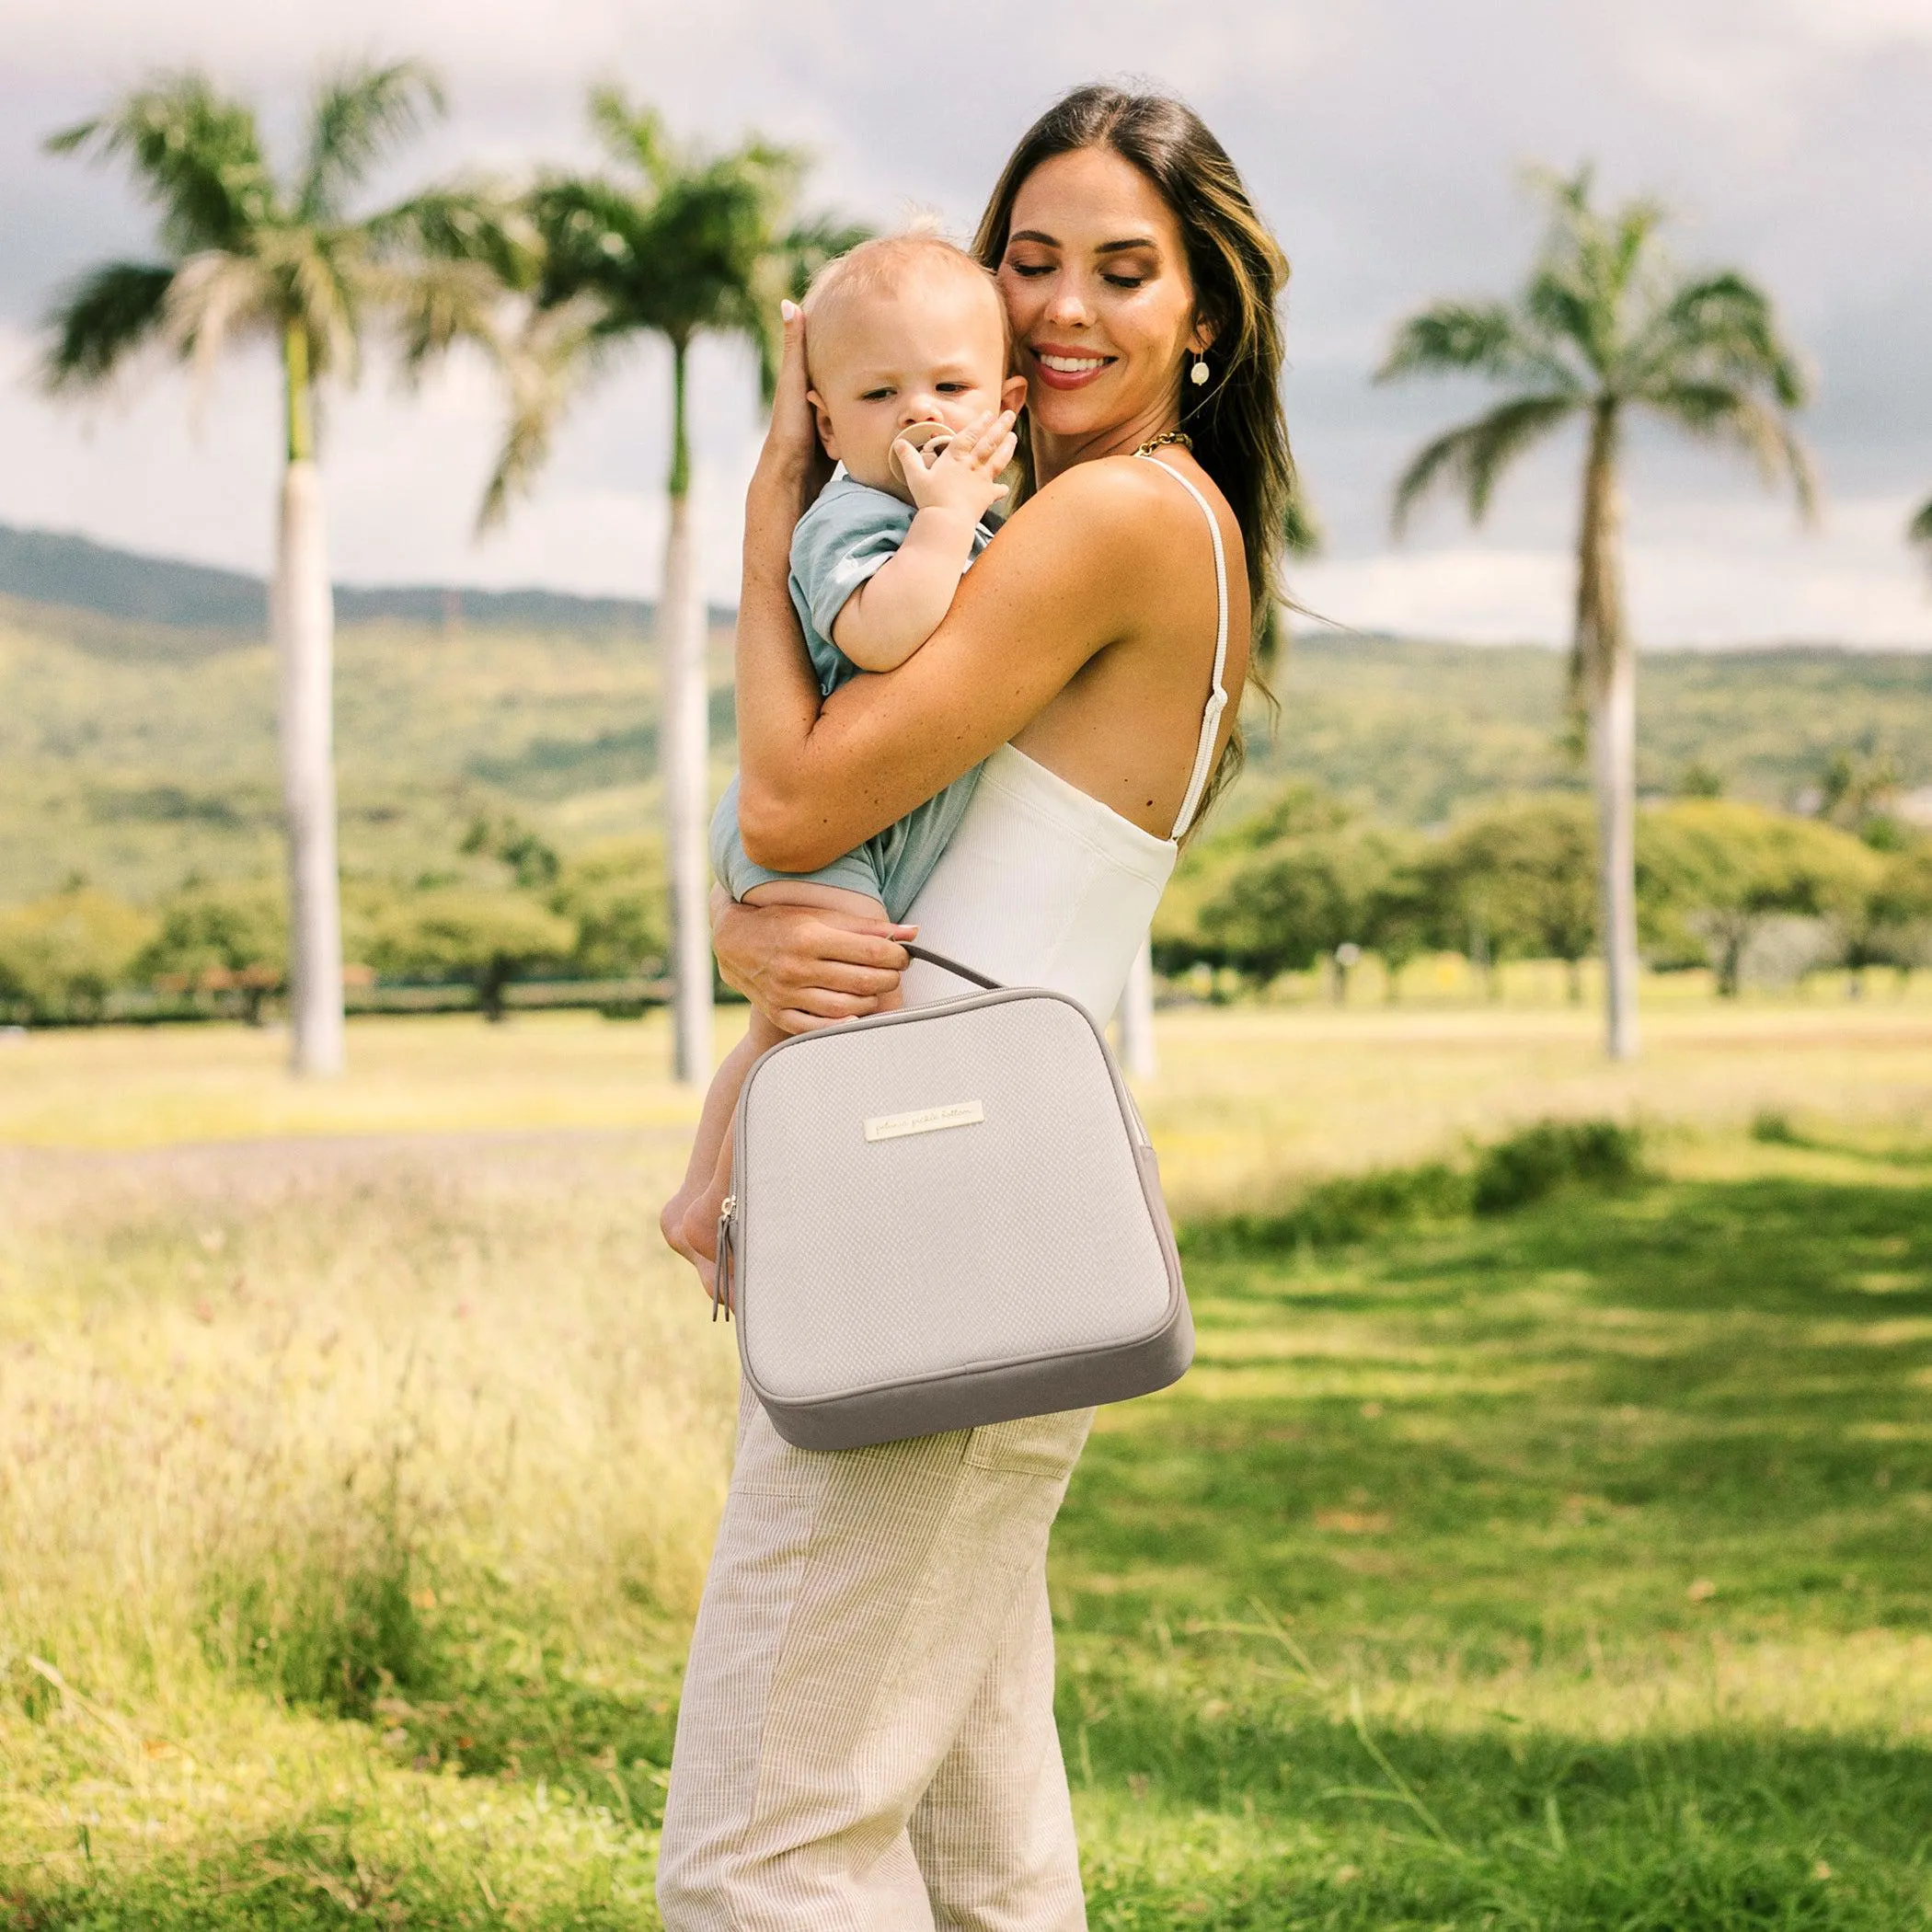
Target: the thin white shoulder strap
pixel 1217 697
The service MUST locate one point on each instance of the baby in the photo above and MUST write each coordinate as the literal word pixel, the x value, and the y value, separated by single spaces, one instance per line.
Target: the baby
pixel 906 338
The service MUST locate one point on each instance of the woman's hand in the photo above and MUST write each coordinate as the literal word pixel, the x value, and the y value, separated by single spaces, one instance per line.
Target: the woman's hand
pixel 792 464
pixel 802 967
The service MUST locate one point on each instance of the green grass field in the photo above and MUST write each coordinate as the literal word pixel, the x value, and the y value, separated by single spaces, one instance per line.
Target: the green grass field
pixel 1563 1567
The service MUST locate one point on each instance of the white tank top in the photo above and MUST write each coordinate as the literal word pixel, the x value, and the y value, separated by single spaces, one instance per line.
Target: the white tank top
pixel 1043 884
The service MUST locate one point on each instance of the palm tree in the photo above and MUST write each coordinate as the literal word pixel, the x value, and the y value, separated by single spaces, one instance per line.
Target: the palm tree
pixel 1605 326
pixel 246 254
pixel 677 243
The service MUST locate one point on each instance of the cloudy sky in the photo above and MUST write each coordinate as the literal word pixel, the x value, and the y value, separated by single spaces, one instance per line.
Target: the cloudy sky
pixel 1385 138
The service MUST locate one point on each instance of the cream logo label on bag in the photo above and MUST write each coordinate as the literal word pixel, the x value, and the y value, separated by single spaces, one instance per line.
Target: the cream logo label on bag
pixel 925 1120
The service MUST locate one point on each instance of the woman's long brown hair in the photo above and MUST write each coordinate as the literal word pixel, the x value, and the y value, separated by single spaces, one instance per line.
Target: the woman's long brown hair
pixel 1235 421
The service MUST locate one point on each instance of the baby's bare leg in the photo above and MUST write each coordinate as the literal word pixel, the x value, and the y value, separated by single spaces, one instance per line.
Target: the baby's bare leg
pixel 689 1220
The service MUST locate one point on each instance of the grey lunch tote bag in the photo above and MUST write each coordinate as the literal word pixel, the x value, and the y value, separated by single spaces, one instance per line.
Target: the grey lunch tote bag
pixel 943 1216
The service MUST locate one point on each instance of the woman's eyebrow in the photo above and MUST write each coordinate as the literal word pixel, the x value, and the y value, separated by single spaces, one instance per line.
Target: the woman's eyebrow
pixel 1107 248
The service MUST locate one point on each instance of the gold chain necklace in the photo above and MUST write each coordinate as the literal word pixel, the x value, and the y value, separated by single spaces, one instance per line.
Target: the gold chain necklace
pixel 1180 438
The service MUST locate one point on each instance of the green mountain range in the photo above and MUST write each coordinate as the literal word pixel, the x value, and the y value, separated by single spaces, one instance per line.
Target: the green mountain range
pixel 137 741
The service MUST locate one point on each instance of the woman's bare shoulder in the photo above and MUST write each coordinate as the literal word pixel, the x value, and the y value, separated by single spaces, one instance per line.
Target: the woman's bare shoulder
pixel 1113 515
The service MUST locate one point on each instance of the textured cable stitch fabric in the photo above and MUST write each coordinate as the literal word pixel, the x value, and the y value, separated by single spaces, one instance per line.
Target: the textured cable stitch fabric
pixel 825 1206
pixel 865 1739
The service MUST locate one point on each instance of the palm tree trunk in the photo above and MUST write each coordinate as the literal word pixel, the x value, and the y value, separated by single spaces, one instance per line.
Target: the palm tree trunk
pixel 1607 666
pixel 685 757
pixel 1137 1016
pixel 302 619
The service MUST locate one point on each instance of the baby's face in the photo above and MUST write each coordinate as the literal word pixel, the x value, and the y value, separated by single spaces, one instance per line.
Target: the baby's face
pixel 930 350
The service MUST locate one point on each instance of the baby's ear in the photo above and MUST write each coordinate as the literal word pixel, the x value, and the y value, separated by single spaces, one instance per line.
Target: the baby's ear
pixel 827 433
pixel 1013 394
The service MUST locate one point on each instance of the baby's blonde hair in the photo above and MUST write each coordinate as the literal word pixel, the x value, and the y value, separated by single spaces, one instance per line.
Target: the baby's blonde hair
pixel 920 248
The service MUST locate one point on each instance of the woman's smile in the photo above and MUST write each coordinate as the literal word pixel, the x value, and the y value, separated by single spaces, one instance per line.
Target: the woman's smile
pixel 1060 368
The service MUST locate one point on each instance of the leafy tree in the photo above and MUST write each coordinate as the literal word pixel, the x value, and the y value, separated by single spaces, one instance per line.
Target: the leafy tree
pixel 1919 530
pixel 1299 899
pixel 532 859
pixel 247 254
pixel 457 933
pixel 1858 790
pixel 1209 862
pixel 61 957
pixel 1712 870
pixel 222 938
pixel 1605 327
pixel 1521 874
pixel 613 895
pixel 1891 924
pixel 675 243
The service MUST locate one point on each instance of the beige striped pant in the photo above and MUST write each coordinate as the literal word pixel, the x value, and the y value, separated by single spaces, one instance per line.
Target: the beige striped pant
pixel 866 1741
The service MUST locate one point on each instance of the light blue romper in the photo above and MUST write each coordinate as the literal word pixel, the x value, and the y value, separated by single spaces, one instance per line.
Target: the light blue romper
pixel 846 535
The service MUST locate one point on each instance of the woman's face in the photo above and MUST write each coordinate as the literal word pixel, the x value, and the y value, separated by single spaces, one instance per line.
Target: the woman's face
pixel 1095 282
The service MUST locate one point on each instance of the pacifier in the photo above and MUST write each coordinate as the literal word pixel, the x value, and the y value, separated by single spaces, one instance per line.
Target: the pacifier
pixel 922 436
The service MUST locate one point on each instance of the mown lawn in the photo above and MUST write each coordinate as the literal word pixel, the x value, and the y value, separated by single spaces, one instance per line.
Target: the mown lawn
pixel 1566 1567
pixel 1569 1570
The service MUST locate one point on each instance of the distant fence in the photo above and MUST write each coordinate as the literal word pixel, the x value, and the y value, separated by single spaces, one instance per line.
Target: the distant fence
pixel 140 1006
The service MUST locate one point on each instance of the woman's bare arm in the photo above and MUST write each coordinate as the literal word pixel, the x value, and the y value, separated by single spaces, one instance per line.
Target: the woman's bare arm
pixel 1059 585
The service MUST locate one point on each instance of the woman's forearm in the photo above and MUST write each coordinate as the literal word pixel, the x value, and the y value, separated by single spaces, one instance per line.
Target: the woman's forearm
pixel 778 693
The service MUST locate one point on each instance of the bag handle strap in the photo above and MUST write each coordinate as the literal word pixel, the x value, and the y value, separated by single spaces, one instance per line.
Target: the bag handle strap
pixel 953 966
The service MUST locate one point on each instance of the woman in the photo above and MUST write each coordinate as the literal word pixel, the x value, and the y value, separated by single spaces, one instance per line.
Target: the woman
pixel 867 1734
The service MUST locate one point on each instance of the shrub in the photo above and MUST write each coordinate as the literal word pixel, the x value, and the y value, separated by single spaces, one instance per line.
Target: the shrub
pixel 1514 1173
pixel 1333 1213
pixel 1535 1163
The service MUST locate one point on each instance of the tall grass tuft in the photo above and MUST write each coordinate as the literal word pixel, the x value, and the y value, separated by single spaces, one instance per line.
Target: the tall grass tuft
pixel 281 1419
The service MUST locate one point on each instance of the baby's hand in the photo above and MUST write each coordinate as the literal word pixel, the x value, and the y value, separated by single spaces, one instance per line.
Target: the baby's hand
pixel 964 477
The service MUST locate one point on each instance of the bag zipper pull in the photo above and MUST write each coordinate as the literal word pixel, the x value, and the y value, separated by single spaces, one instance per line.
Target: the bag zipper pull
pixel 721 1274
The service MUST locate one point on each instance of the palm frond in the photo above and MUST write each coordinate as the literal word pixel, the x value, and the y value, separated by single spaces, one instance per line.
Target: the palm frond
pixel 1729 415
pixel 432 304
pixel 198 154
pixel 323 273
pixel 1590 266
pixel 1483 338
pixel 543 368
pixel 100 319
pixel 785 272
pixel 1719 326
pixel 214 295
pixel 475 222
pixel 634 135
pixel 358 115
pixel 592 235
pixel 1569 307
pixel 1919 530
pixel 1471 458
